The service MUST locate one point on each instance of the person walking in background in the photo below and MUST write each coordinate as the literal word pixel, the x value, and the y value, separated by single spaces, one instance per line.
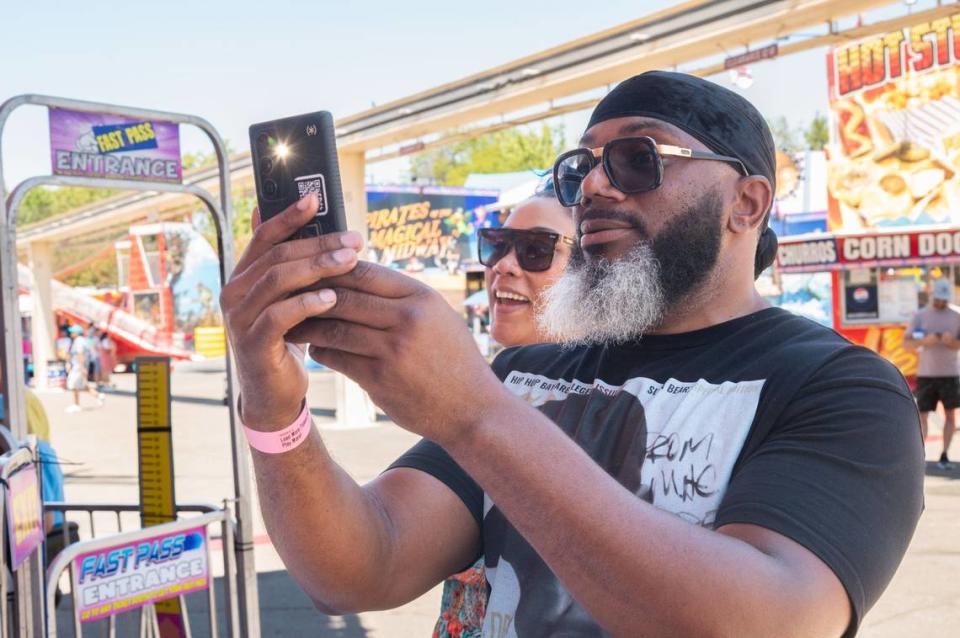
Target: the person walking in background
pixel 522 260
pixel 63 344
pixel 77 378
pixel 27 351
pixel 52 480
pixel 93 361
pixel 934 331
pixel 108 357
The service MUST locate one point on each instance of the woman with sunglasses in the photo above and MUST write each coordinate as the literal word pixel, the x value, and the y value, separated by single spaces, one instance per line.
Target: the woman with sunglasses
pixel 522 259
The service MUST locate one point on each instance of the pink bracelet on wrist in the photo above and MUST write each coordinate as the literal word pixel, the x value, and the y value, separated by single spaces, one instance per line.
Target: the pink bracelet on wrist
pixel 282 440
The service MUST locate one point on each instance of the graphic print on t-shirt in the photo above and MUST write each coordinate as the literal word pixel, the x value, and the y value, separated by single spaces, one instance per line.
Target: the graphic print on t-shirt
pixel 673 444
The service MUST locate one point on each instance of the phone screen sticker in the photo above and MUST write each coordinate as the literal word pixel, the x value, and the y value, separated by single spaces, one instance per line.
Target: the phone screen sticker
pixel 313 184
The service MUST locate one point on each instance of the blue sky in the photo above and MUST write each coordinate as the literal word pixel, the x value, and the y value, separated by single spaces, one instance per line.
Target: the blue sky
pixel 239 62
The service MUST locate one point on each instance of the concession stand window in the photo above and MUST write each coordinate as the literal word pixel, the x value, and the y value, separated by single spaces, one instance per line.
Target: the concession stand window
pixel 886 295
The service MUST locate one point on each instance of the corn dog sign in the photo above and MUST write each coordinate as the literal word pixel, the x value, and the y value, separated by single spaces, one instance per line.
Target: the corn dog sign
pixel 895 102
pixel 812 253
pixel 112 147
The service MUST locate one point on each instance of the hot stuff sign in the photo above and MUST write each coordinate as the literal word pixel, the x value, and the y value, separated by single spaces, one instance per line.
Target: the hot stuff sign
pixel 876 61
pixel 895 100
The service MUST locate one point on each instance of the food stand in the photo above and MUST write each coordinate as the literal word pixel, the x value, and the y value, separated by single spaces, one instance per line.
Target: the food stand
pixel 893 216
pixel 880 279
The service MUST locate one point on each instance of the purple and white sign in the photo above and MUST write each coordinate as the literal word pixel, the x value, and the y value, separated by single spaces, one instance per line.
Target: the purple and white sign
pixel 24 514
pixel 128 575
pixel 114 147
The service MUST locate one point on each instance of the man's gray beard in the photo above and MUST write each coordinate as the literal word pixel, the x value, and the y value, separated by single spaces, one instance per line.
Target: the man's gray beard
pixel 605 301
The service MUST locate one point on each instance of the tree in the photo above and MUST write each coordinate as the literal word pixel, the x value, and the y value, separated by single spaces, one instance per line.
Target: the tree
pixel 785 136
pixel 242 226
pixel 817 134
pixel 101 273
pixel 795 139
pixel 504 151
pixel 42 203
pixel 243 205
pixel 201 160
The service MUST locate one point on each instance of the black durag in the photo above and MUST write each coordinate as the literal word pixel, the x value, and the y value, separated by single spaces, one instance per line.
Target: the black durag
pixel 723 121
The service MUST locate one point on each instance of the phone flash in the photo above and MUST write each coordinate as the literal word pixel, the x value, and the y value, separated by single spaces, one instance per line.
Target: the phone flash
pixel 281 150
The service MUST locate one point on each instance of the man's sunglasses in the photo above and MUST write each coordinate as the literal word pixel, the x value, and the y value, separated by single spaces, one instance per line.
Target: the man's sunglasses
pixel 534 248
pixel 632 164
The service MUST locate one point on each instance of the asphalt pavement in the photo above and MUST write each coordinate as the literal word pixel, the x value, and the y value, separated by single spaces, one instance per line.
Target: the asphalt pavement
pixel 97 447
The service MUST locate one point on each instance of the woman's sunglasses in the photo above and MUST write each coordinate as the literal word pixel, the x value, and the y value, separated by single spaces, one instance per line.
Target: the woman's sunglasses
pixel 632 164
pixel 534 248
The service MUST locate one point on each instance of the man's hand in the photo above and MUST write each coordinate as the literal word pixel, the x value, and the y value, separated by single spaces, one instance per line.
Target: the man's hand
pixel 407 347
pixel 266 297
pixel 948 339
pixel 930 339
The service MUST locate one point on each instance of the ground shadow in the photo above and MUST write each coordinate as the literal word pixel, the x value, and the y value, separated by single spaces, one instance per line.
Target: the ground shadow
pixel 284 611
pixel 933 470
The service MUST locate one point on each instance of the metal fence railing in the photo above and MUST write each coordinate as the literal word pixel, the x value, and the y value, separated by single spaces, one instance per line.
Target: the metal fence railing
pixel 127 531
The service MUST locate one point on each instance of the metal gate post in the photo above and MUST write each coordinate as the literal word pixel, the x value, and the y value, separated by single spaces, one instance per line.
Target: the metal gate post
pixel 12 383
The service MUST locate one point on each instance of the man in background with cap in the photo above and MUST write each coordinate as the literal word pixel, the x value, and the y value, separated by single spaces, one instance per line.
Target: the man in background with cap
pixel 689 462
pixel 934 331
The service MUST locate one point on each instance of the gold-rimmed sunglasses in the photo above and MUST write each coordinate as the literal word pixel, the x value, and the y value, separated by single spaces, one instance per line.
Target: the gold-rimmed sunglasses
pixel 632 164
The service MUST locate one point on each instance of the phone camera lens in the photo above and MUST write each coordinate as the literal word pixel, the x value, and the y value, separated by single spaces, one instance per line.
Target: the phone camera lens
pixel 266 165
pixel 270 188
pixel 263 141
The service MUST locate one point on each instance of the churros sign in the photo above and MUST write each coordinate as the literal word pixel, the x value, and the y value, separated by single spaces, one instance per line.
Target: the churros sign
pixel 113 147
pixel 126 576
pixel 895 99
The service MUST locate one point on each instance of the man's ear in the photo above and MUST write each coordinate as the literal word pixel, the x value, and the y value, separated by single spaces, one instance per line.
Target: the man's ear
pixel 753 198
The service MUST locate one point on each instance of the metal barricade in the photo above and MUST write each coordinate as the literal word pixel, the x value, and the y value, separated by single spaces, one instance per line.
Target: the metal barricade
pixel 148 623
pixel 116 512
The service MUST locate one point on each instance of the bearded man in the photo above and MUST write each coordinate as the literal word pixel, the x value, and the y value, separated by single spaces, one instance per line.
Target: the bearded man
pixel 687 462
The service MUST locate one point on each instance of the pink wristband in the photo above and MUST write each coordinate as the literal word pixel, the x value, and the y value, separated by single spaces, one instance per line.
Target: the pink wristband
pixel 282 440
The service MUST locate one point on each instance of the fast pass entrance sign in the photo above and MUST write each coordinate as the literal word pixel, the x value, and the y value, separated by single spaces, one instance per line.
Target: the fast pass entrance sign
pixel 122 577
pixel 113 147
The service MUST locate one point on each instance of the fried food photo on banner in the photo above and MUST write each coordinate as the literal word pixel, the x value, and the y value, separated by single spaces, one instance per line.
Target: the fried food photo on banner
pixel 898 152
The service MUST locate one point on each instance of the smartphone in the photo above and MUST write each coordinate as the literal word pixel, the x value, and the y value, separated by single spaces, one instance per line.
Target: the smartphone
pixel 295 156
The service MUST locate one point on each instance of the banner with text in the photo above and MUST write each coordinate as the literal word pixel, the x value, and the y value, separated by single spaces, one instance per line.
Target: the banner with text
pixel 895 100
pixel 889 250
pixel 126 576
pixel 113 147
pixel 24 514
pixel 415 229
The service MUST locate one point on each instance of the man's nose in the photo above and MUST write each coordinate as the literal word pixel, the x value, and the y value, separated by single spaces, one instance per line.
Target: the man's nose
pixel 597 184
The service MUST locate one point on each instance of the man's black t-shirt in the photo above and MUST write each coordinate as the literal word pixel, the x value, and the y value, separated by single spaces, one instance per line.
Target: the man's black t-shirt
pixel 768 419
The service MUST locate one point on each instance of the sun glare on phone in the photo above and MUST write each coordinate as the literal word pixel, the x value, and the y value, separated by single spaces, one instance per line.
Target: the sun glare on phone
pixel 281 150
